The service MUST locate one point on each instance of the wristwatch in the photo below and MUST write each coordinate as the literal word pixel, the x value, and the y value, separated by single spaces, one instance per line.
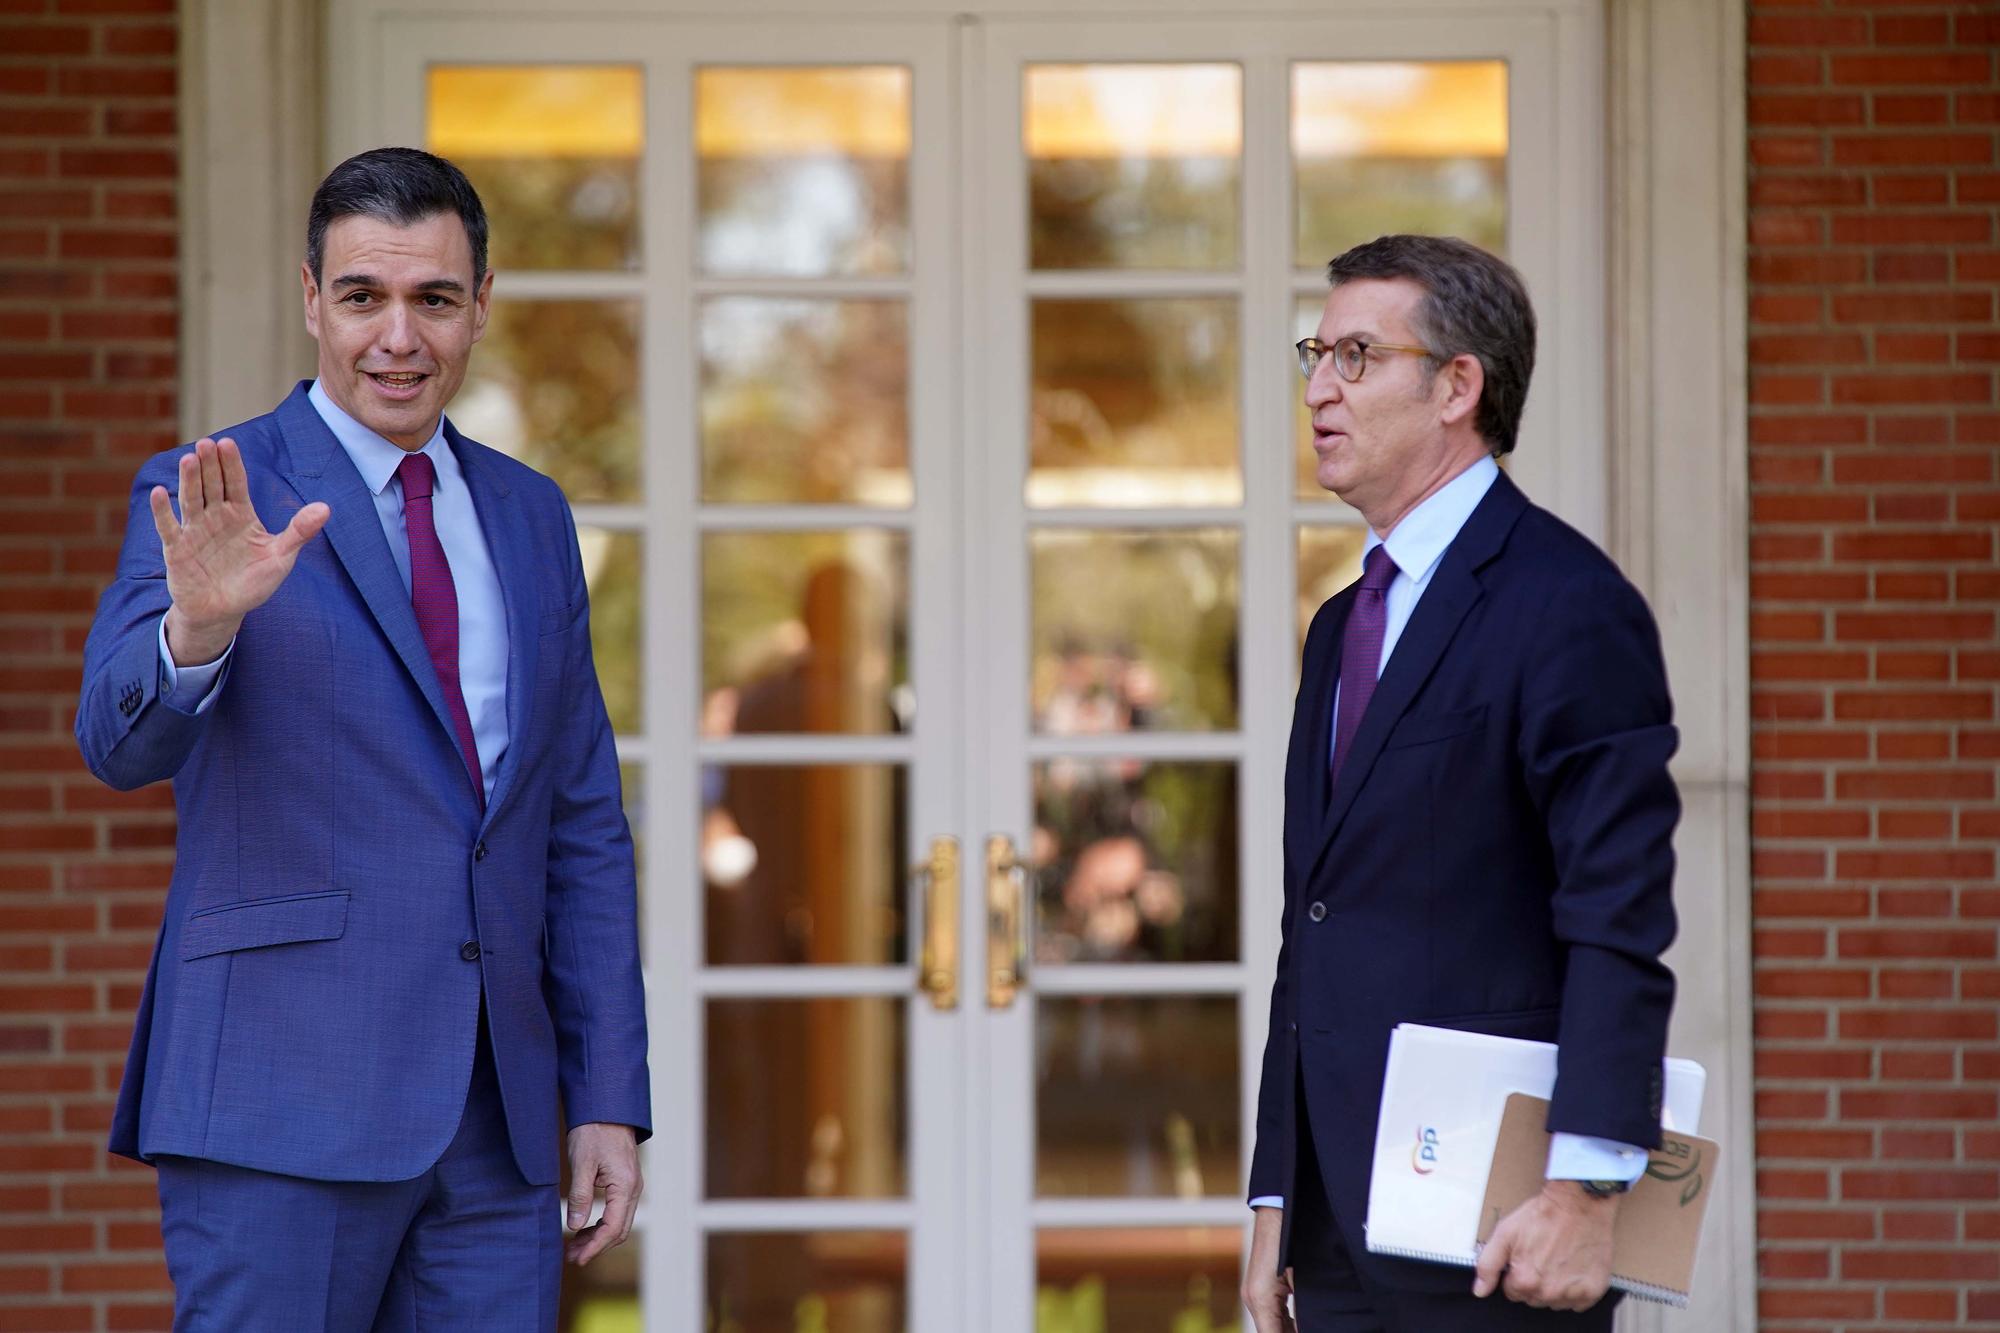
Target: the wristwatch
pixel 1604 1189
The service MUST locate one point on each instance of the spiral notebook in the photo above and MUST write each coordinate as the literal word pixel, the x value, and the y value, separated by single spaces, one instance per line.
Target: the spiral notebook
pixel 1443 1099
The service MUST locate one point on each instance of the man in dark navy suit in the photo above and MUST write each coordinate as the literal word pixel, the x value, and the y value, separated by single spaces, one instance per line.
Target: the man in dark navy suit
pixel 1478 817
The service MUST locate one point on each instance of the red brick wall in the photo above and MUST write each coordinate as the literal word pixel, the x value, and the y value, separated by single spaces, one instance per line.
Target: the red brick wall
pixel 88 166
pixel 1874 427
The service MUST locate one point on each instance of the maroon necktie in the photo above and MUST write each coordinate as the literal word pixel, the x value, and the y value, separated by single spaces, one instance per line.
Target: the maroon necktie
pixel 435 600
pixel 1361 651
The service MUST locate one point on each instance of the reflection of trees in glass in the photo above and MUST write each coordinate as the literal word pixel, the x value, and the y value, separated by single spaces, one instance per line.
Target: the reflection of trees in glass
pixel 830 608
pixel 1133 212
pixel 559 212
pixel 1148 386
pixel 1136 1096
pixel 1135 861
pixel 822 215
pixel 556 384
pixel 611 567
pixel 1137 1280
pixel 1344 201
pixel 1329 560
pixel 602 1297
pixel 1134 631
pixel 804 401
pixel 782 1282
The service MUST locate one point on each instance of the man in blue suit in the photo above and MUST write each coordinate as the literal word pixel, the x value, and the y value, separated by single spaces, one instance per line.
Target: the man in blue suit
pixel 400 938
pixel 1478 817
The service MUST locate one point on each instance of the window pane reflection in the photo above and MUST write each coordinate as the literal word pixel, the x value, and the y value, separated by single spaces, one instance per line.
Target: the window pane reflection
pixel 804 401
pixel 605 1296
pixel 1133 166
pixel 1133 631
pixel 1137 1279
pixel 1401 146
pixel 632 788
pixel 1136 1097
pixel 806 1098
pixel 1329 560
pixel 1135 861
pixel 556 385
pixel 1306 312
pixel 804 863
pixel 805 632
pixel 803 172
pixel 1134 403
pixel 553 151
pixel 822 1281
pixel 611 570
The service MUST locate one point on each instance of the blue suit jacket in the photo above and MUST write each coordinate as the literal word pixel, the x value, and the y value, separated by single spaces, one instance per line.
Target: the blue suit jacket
pixel 1496 855
pixel 315 993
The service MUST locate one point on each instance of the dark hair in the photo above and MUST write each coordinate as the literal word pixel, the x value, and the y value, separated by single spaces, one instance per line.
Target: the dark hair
pixel 1473 303
pixel 402 186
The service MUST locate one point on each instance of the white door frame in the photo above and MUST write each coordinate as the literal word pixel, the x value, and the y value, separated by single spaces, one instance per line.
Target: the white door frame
pixel 1676 444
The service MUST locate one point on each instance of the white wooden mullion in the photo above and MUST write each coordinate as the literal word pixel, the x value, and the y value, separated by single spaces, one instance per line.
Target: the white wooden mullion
pixel 520 284
pixel 1138 979
pixel 804 982
pixel 612 517
pixel 806 750
pixel 794 1215
pixel 884 288
pixel 1130 284
pixel 1212 1211
pixel 1155 746
pixel 801 518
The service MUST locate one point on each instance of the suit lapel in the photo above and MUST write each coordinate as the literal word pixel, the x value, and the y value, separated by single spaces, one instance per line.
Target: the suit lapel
pixel 321 470
pixel 500 519
pixel 1453 591
pixel 1306 791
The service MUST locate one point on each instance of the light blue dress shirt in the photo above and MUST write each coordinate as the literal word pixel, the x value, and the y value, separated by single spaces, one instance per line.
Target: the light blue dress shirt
pixel 1416 545
pixel 482 615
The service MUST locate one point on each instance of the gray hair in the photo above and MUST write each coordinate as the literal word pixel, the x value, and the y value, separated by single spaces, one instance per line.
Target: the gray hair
pixel 1474 303
pixel 401 186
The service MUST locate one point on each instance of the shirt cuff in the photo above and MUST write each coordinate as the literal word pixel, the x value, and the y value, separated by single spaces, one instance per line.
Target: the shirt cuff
pixel 190 689
pixel 1268 1201
pixel 1580 1157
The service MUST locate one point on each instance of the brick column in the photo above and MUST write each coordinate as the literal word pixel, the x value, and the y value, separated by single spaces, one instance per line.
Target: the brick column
pixel 88 166
pixel 1873 431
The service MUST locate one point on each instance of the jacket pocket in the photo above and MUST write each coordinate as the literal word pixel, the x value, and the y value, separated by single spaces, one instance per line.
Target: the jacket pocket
pixel 290 919
pixel 1427 727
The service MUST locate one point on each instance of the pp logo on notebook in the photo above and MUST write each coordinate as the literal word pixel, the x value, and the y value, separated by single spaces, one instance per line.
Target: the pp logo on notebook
pixel 1424 1157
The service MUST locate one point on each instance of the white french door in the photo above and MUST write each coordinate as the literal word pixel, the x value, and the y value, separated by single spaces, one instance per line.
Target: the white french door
pixel 924 391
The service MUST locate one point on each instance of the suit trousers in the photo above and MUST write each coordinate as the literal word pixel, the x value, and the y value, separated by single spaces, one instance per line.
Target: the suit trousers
pixel 1332 1294
pixel 467 1244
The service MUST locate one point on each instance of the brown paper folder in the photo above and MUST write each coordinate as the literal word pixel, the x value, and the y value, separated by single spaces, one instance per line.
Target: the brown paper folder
pixel 1659 1222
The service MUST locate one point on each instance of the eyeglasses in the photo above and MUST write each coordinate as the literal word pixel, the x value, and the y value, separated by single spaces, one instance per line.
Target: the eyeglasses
pixel 1350 355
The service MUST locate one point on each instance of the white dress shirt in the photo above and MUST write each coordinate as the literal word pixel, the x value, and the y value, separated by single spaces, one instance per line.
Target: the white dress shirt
pixel 482 614
pixel 1416 545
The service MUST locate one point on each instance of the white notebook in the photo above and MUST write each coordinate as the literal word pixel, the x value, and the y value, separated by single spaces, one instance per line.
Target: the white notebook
pixel 1442 1099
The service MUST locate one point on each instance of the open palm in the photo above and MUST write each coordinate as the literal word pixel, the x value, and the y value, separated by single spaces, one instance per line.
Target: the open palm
pixel 221 562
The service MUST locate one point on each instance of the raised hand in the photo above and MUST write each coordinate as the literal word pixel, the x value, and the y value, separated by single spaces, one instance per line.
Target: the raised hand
pixel 221 563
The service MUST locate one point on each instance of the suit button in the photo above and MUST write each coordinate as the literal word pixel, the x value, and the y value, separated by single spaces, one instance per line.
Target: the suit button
pixel 479 852
pixel 1317 911
pixel 469 951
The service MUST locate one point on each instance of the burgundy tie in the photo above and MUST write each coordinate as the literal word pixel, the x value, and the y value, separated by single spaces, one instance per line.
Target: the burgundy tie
pixel 435 600
pixel 1361 650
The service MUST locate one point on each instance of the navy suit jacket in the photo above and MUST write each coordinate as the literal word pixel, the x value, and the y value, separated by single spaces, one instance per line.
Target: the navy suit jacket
pixel 1496 855
pixel 339 904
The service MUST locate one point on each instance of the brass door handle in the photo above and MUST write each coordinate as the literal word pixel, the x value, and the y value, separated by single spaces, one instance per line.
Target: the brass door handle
pixel 937 893
pixel 1006 935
